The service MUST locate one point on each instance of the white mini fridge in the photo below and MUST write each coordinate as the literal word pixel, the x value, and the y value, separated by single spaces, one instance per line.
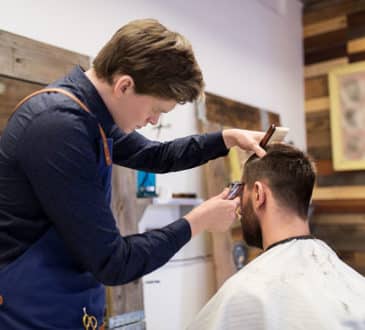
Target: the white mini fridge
pixel 175 293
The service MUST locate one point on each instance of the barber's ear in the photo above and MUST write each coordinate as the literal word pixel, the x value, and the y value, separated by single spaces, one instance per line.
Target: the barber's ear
pixel 123 84
pixel 259 194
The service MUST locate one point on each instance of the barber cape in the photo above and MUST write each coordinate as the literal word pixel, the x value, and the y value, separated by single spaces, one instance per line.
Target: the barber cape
pixel 300 284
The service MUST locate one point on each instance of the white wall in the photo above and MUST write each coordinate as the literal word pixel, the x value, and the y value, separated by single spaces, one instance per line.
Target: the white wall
pixel 249 50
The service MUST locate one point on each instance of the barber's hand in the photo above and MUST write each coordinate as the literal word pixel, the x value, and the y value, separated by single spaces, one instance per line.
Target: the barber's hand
pixel 216 214
pixel 244 139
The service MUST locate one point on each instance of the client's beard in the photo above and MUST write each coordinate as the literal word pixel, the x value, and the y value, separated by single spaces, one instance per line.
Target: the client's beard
pixel 250 226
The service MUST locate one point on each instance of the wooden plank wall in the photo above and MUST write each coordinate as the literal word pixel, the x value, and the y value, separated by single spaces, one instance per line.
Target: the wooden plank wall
pixel 333 35
pixel 35 61
pixel 11 92
pixel 27 65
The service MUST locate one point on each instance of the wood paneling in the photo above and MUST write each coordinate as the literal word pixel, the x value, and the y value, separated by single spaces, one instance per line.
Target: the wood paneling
pixel 322 68
pixel 353 219
pixel 317 104
pixel 339 193
pixel 316 87
pixel 36 61
pixel 274 118
pixel 356 178
pixel 356 45
pixel 321 27
pixel 336 206
pixel 11 92
pixel 325 54
pixel 356 26
pixel 339 197
pixel 325 41
pixel 216 178
pixel 355 32
pixel 356 19
pixel 315 5
pixel 342 235
pixel 318 129
pixel 341 8
pixel 356 57
pixel 319 153
pixel 231 113
pixel 324 166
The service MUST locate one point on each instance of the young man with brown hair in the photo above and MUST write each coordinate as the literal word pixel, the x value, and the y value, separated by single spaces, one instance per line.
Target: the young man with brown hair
pixel 59 239
pixel 298 282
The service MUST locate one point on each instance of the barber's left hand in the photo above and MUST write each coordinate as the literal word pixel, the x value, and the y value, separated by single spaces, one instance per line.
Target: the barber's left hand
pixel 244 139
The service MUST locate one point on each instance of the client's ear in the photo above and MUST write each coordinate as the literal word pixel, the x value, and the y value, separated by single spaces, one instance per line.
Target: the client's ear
pixel 259 194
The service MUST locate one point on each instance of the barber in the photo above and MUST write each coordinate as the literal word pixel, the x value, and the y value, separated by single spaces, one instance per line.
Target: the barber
pixel 59 243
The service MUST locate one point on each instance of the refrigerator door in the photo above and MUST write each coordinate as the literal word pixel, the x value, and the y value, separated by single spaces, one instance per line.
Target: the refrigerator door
pixel 175 293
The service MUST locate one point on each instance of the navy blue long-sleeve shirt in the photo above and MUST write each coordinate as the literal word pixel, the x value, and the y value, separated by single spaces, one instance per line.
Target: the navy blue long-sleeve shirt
pixel 49 177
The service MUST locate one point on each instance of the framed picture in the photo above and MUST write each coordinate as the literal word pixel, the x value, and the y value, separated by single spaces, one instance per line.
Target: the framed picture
pixel 347 99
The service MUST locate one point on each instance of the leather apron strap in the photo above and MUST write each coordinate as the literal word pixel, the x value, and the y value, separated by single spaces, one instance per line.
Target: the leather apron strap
pixel 108 158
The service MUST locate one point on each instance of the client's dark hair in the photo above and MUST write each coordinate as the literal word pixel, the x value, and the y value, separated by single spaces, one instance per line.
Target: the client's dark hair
pixel 288 172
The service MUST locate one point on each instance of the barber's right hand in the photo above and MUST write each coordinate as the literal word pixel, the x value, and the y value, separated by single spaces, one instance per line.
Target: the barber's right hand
pixel 216 214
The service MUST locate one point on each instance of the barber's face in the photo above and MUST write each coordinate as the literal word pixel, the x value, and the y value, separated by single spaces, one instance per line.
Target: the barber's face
pixel 137 111
pixel 132 111
pixel 249 221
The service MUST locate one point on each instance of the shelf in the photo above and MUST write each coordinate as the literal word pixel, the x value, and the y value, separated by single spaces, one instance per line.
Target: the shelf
pixel 177 201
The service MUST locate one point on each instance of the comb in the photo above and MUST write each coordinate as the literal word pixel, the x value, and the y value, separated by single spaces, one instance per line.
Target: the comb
pixel 274 134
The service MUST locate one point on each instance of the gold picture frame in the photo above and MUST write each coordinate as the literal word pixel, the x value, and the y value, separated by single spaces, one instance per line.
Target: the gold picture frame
pixel 347 114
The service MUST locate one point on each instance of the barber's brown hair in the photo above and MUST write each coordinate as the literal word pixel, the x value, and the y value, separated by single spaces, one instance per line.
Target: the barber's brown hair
pixel 288 172
pixel 161 62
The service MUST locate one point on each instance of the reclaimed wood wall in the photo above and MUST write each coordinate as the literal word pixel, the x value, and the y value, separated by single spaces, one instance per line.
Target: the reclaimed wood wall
pixel 12 90
pixel 27 65
pixel 333 35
